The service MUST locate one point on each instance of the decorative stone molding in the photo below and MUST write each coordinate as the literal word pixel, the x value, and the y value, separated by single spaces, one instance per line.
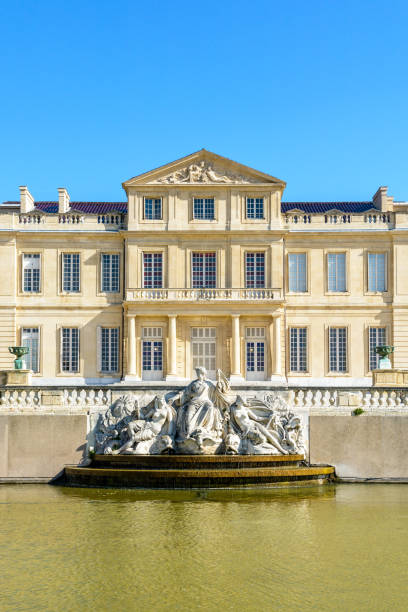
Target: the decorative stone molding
pixel 204 173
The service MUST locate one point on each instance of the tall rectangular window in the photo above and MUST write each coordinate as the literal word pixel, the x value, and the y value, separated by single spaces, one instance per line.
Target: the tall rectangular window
pixel 203 208
pixel 30 337
pixel 338 349
pixel 153 208
pixel 377 280
pixel 153 270
pixel 31 272
pixel 297 272
pixel 70 272
pixel 69 349
pixel 204 270
pixel 376 337
pixel 298 349
pixel 255 270
pixel 110 272
pixel 255 208
pixel 152 353
pixel 336 269
pixel 203 349
pixel 109 349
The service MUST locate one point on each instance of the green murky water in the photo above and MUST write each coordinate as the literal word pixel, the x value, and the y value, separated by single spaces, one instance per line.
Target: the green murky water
pixel 337 548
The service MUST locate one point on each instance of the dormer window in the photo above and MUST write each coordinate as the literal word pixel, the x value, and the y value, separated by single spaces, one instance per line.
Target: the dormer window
pixel 255 208
pixel 153 208
pixel 203 208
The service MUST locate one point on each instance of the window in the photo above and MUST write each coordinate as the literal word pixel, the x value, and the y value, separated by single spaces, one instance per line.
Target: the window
pixel 153 208
pixel 152 353
pixel 338 349
pixel 255 353
pixel 297 272
pixel 69 349
pixel 70 272
pixel 110 272
pixel 376 337
pixel 30 338
pixel 203 348
pixel 298 349
pixel 377 272
pixel 31 272
pixel 254 270
pixel 109 347
pixel 152 270
pixel 203 208
pixel 336 270
pixel 255 208
pixel 204 270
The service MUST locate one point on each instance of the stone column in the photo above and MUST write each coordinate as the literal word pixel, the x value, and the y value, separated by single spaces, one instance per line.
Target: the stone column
pixel 236 374
pixel 172 362
pixel 131 366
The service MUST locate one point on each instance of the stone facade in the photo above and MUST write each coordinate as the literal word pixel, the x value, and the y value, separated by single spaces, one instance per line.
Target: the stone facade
pixel 203 268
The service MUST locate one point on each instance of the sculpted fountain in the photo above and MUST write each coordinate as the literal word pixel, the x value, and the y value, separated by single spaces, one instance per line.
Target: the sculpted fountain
pixel 202 419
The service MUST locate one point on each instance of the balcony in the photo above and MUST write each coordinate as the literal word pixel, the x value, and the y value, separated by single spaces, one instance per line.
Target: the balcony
pixel 203 295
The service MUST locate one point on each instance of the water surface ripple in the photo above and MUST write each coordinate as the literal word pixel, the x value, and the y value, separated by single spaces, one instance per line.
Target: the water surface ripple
pixel 334 548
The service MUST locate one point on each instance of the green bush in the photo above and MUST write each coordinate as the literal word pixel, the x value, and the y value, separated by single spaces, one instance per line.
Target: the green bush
pixel 357 411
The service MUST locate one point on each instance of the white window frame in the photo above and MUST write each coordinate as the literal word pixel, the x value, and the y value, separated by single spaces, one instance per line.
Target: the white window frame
pixel 113 272
pixel 113 355
pixel 255 335
pixel 28 267
pixel 370 271
pixel 204 276
pixel 153 254
pixel 27 339
pixel 334 275
pixel 206 201
pixel 72 357
pixel 297 284
pixel 68 272
pixel 298 360
pixel 205 336
pixel 372 356
pixel 153 336
pixel 253 200
pixel 154 201
pixel 339 368
pixel 256 285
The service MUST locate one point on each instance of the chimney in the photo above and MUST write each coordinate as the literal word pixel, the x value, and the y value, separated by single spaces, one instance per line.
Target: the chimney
pixel 63 200
pixel 382 201
pixel 26 200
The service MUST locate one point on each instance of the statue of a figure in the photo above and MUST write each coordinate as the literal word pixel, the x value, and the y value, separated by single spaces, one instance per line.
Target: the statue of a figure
pixel 110 424
pixel 256 427
pixel 200 414
pixel 143 431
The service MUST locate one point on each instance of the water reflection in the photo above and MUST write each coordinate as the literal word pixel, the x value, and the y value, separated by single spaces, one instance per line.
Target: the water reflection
pixel 316 548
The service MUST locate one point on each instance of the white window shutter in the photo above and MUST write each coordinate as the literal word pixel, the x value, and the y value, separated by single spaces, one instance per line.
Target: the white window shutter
pixel 99 348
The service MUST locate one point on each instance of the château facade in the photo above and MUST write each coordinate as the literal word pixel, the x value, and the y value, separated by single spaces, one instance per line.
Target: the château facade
pixel 205 263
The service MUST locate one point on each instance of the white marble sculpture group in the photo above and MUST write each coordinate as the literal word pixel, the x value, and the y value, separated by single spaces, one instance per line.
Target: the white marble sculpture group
pixel 203 418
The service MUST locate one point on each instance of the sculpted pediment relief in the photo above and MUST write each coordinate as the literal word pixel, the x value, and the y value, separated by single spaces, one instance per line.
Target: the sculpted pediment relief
pixel 203 168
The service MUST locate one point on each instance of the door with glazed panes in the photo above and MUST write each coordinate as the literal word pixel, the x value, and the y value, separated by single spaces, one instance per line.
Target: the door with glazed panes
pixel 255 353
pixel 152 353
pixel 203 349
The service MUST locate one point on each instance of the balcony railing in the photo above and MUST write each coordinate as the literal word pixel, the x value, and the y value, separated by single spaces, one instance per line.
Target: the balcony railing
pixel 203 295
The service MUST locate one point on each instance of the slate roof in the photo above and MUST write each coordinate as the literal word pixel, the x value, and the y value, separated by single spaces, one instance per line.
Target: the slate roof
pixel 101 208
pixel 323 207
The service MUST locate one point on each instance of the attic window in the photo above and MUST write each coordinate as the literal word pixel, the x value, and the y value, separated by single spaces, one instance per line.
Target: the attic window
pixel 153 208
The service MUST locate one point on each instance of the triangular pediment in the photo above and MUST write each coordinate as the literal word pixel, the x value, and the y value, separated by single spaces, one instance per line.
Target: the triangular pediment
pixel 204 168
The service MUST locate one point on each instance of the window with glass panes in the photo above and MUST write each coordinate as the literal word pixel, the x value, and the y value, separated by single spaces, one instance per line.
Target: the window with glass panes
pixel 255 208
pixel 336 271
pixel 298 349
pixel 153 270
pixel 109 349
pixel 203 349
pixel 152 350
pixel 338 349
pixel 203 208
pixel 297 272
pixel 377 272
pixel 70 272
pixel 110 272
pixel 69 349
pixel 153 208
pixel 31 272
pixel 30 337
pixel 255 352
pixel 204 270
pixel 376 337
pixel 255 270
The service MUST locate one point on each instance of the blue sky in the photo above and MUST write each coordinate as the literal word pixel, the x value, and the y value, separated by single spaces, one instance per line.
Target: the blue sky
pixel 313 92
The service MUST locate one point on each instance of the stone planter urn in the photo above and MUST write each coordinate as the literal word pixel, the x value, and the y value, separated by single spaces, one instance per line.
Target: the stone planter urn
pixel 384 351
pixel 18 351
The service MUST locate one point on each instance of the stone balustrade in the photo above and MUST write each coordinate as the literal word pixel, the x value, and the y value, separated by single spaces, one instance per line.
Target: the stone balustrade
pixel 204 294
pixel 310 400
